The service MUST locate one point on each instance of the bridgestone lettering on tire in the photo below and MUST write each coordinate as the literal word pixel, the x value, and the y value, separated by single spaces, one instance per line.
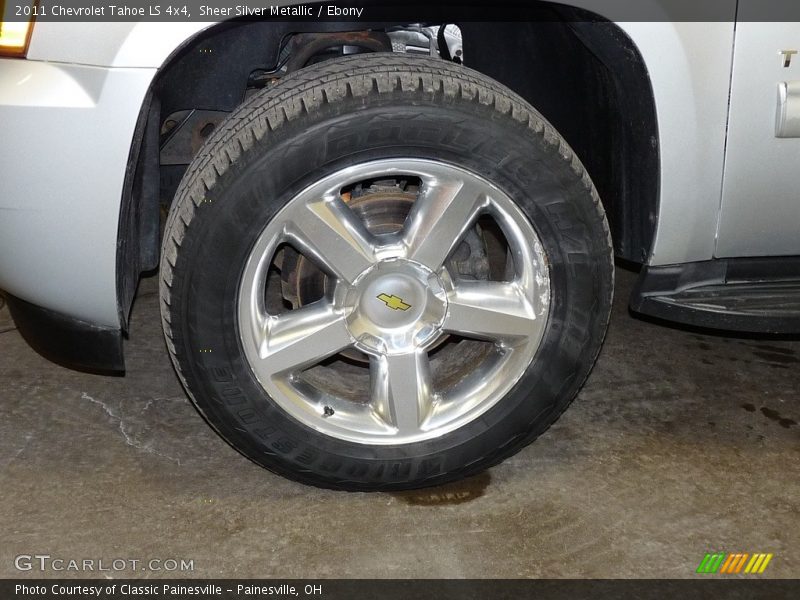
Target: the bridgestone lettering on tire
pixel 384 272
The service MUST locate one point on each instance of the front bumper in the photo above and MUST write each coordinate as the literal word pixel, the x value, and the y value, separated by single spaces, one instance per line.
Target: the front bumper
pixel 67 341
pixel 65 138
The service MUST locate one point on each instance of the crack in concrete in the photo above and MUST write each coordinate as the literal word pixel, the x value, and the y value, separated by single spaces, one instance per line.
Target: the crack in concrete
pixel 130 440
pixel 18 453
pixel 180 399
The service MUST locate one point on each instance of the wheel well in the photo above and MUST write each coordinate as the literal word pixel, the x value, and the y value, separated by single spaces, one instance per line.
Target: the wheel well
pixel 582 73
pixel 589 80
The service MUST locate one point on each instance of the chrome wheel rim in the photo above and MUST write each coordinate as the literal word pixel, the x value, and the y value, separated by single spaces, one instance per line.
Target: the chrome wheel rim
pixel 394 299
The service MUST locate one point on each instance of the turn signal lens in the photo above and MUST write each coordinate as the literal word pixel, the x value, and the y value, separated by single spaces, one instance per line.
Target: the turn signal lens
pixel 16 27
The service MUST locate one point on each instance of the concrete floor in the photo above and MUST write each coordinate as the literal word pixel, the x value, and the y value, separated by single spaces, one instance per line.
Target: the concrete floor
pixel 679 444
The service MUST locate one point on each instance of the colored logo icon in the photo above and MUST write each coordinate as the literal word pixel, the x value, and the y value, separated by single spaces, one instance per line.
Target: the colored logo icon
pixel 724 563
pixel 393 302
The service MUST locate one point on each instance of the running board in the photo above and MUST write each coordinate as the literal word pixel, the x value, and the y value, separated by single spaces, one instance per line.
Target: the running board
pixel 759 295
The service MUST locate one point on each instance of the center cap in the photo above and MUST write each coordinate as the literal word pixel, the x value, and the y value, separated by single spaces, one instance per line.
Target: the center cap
pixel 396 306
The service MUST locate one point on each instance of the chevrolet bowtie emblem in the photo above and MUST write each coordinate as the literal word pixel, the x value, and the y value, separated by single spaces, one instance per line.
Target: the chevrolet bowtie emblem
pixel 393 302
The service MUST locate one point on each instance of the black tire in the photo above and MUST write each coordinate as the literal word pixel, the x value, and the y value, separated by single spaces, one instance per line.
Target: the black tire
pixel 342 112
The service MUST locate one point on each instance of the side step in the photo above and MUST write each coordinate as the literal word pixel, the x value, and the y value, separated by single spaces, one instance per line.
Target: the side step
pixel 760 295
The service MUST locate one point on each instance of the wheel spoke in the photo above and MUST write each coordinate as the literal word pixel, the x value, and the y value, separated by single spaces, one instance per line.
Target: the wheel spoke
pixel 302 338
pixel 401 390
pixel 491 310
pixel 333 235
pixel 440 217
